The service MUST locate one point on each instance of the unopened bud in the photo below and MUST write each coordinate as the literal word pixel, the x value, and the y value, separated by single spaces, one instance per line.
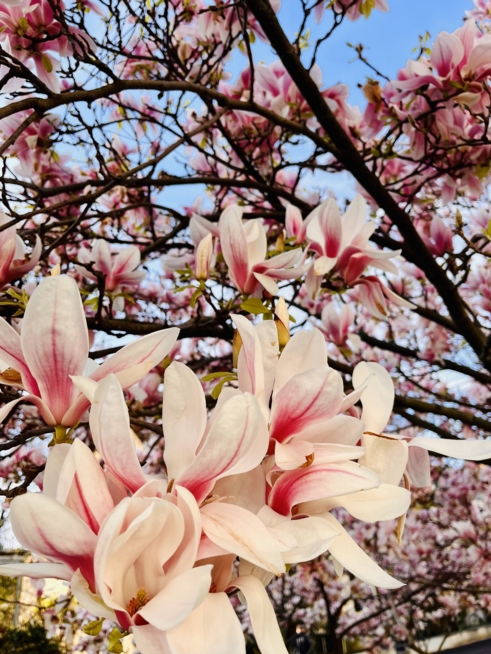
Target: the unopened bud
pixel 204 257
pixel 280 242
pixel 282 321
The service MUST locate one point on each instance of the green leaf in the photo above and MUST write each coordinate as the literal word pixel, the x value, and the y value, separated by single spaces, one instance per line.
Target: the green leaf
pixel 214 375
pixel 194 297
pixel 254 306
pixel 93 628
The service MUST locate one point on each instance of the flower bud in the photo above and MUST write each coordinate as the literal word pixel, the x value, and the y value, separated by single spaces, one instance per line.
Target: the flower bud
pixel 204 257
pixel 282 320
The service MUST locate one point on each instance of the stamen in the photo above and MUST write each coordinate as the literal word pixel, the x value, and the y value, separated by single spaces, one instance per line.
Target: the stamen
pixel 138 602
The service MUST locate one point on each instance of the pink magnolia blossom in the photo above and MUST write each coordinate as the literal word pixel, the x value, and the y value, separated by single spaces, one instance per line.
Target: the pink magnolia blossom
pixel 53 346
pixel 392 455
pixel 244 249
pixel 119 270
pixel 13 263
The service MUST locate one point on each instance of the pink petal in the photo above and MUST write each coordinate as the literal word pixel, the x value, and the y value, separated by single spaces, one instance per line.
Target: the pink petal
pixel 126 261
pixel 150 640
pixel 183 418
pixel 378 397
pixel 330 224
pixel 237 442
pixel 353 558
pixel 37 571
pixel 55 341
pixel 101 253
pixel 178 598
pixel 41 406
pixel 318 482
pixel 135 360
pixel 308 397
pixel 82 486
pixel 418 467
pixel 475 450
pixel 446 54
pixel 43 525
pixel 385 456
pixel 386 502
pixel 234 246
pixel 264 623
pixel 212 628
pixel 250 364
pixel 11 353
pixel 305 350
pixel 344 430
pixel 240 532
pixel 110 428
pixel 130 365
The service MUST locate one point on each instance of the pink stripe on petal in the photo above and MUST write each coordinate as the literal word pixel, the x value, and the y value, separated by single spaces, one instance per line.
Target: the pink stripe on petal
pixel 55 341
pixel 307 398
pixel 319 482
pixel 234 246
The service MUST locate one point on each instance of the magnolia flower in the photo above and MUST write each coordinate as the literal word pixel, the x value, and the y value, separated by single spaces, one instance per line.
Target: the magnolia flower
pixel 233 441
pixel 391 455
pixel 53 347
pixel 244 248
pixel 341 244
pixel 119 270
pixel 311 468
pixel 144 561
pixel 13 253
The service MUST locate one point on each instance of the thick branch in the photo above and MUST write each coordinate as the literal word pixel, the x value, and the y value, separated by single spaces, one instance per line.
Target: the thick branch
pixel 346 152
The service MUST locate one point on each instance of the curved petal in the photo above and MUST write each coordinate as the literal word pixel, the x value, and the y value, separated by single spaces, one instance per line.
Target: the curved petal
pixel 353 558
pixel 82 486
pixel 305 350
pixel 309 397
pixel 19 271
pixel 135 360
pixel 38 402
pixel 110 428
pixel 43 525
pixel 318 482
pixel 55 341
pixel 37 570
pixel 237 442
pixel 89 600
pixel 178 598
pixel 11 353
pixel 212 628
pixel 377 398
pixel 150 640
pixel 266 630
pixel 344 430
pixel 241 532
pixel 234 246
pixel 183 418
pixel 387 457
pixel 250 364
pixel 463 449
pixel 386 502
pixel 418 467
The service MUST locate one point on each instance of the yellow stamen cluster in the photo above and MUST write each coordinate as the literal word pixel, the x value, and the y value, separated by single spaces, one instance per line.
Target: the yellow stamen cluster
pixel 138 602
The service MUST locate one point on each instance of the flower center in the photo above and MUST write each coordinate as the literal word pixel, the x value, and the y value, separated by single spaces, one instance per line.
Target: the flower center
pixel 138 602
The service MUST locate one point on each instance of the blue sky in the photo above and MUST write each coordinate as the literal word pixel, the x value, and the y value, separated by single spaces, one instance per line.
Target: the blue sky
pixel 389 37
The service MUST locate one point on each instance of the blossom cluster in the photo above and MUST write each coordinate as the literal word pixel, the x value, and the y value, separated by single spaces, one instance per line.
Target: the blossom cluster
pixel 255 481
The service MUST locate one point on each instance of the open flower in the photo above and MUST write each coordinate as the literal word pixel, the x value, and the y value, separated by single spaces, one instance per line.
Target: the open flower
pixel 54 346
pixel 13 253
